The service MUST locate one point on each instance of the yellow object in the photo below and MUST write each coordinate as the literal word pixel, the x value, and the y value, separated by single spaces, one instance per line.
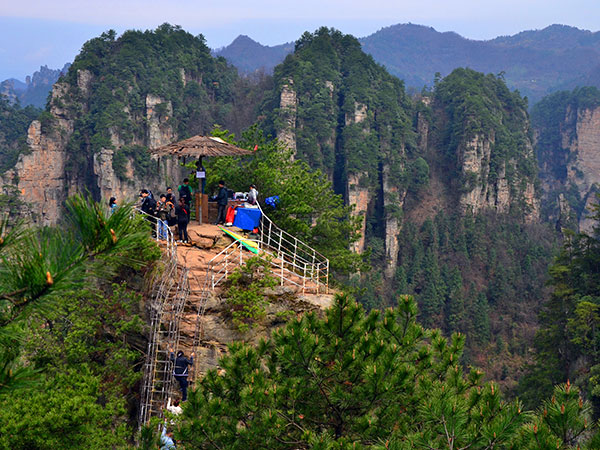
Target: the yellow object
pixel 250 245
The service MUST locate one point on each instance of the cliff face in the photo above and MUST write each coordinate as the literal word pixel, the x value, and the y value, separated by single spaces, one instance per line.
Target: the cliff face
pixel 344 115
pixel 583 164
pixel 40 175
pixel 45 176
pixel 568 147
pixel 482 192
pixel 484 142
pixel 121 97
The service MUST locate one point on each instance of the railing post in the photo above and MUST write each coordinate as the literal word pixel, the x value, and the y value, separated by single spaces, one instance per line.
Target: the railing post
pixel 295 251
pixel 327 279
pixel 281 258
pixel 304 280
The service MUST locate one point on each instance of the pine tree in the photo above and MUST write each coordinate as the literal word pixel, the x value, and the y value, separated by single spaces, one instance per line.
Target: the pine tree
pixel 354 381
pixel 39 265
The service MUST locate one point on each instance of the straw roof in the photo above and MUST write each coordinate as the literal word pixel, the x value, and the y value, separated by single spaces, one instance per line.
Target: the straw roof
pixel 200 146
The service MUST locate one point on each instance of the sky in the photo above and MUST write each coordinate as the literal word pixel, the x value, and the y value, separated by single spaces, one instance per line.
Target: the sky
pixel 42 32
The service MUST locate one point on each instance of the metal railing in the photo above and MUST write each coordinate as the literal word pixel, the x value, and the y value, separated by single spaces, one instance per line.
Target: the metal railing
pixel 291 260
pixel 157 233
pixel 292 252
pixel 170 294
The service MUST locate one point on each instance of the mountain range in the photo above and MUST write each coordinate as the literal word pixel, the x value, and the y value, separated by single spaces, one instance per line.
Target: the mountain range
pixel 535 62
pixel 36 88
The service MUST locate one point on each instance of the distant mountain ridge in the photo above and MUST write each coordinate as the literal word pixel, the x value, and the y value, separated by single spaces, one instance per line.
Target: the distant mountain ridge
pixel 249 56
pixel 537 62
pixel 36 88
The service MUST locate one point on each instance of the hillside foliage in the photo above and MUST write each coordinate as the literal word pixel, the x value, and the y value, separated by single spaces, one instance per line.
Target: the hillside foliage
pixel 71 342
pixel 14 121
pixel 379 381
pixel 567 341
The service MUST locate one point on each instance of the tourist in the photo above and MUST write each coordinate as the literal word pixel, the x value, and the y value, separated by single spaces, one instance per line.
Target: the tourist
pixel 174 408
pixel 183 218
pixel 180 371
pixel 185 192
pixel 166 439
pixel 162 213
pixel 170 196
pixel 222 200
pixel 112 204
pixel 253 195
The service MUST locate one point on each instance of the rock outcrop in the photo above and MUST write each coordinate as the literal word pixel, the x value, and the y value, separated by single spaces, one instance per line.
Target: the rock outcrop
pixel 570 170
pixel 482 192
pixel 287 115
pixel 45 175
pixel 583 163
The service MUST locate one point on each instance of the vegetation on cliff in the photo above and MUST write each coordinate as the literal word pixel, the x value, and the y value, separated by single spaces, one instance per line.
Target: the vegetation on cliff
pixel 14 121
pixel 308 208
pixel 351 115
pixel 71 343
pixel 478 106
pixel 567 343
pixel 555 119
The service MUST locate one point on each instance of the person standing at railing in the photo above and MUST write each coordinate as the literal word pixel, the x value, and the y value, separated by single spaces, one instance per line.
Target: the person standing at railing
pixel 253 195
pixel 162 213
pixel 180 371
pixel 148 206
pixel 183 218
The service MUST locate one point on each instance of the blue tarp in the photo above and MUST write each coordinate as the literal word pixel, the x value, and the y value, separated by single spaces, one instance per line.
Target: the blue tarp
pixel 247 218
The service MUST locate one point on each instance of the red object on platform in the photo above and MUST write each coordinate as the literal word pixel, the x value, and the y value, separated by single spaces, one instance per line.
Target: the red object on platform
pixel 230 216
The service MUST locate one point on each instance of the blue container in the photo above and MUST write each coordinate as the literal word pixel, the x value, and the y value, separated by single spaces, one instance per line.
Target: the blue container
pixel 247 218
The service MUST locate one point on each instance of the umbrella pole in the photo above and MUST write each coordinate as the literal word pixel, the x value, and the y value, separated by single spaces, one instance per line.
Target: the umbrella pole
pixel 198 205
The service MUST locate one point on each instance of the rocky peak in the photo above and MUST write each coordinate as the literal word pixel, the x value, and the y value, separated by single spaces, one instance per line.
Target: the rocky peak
pixel 568 147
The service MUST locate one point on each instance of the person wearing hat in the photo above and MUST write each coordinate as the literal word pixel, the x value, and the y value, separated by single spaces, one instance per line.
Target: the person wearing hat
pixel 180 371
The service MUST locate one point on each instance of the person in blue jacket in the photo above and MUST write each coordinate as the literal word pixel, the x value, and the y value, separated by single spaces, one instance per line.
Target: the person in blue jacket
pixel 180 371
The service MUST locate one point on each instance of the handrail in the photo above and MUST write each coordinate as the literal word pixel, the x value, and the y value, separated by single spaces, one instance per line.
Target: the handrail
pixel 280 243
pixel 170 239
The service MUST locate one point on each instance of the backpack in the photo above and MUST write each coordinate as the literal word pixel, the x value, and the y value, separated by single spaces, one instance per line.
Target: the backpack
pixel 185 192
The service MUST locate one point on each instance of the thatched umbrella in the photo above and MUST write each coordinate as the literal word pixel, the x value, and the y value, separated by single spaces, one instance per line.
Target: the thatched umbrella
pixel 199 146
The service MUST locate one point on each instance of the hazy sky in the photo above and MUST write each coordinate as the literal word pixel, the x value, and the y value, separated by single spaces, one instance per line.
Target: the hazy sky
pixel 45 32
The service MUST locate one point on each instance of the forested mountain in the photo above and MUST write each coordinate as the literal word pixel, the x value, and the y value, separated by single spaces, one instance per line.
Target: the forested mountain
pixel 443 186
pixel 535 62
pixel 248 56
pixel 121 96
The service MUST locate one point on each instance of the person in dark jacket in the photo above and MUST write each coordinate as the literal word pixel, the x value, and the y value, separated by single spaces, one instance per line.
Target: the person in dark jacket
pixel 148 206
pixel 183 217
pixel 222 199
pixel 185 192
pixel 180 371
pixel 148 203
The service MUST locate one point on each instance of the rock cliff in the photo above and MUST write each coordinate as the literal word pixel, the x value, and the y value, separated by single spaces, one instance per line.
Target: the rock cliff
pixel 45 176
pixel 568 148
pixel 583 163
